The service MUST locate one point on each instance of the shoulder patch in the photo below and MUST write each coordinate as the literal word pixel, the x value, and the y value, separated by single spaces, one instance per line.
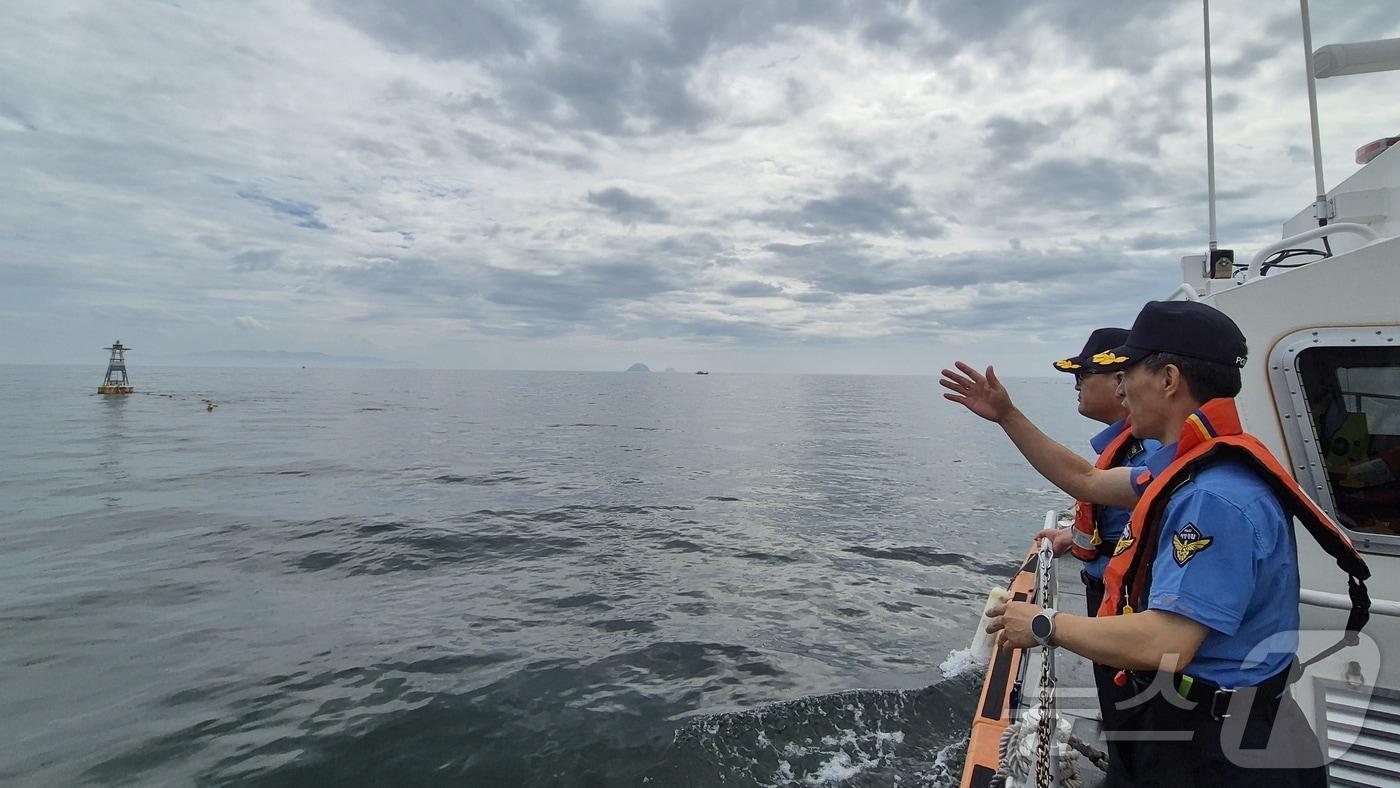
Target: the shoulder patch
pixel 1187 542
pixel 1124 542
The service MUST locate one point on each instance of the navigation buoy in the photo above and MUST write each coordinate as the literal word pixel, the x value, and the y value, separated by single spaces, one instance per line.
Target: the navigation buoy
pixel 116 382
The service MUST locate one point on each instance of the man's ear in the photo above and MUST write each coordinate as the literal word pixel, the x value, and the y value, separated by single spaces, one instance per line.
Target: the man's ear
pixel 1172 381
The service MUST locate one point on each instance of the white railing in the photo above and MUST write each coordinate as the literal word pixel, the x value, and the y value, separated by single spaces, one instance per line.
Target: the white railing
pixel 1257 264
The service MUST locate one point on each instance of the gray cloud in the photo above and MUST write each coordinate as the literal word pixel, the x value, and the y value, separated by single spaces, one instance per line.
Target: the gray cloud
pixel 1150 242
pixel 444 30
pixel 779 174
pixel 257 260
pixel 753 289
pixel 629 208
pixel 850 268
pixel 860 205
pixel 614 78
pixel 553 303
pixel 1008 137
pixel 304 213
pixel 1083 183
pixel 16 117
pixel 840 266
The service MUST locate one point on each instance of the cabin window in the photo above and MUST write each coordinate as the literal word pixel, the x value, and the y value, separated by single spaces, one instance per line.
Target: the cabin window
pixel 1353 401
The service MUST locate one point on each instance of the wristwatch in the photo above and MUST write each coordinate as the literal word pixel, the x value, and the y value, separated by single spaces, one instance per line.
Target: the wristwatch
pixel 1043 626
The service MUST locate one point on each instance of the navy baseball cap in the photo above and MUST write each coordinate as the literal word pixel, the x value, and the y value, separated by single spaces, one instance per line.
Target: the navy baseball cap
pixel 1102 339
pixel 1186 328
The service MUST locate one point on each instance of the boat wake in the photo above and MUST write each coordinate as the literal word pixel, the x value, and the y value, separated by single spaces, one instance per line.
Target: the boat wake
pixel 855 738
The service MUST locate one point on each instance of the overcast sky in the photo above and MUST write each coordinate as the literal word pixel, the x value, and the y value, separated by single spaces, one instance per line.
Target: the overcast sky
pixel 735 185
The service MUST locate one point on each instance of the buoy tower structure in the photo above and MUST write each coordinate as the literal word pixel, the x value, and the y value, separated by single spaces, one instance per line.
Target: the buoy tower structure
pixel 116 381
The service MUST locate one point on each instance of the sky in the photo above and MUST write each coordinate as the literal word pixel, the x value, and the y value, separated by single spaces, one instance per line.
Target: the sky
pixel 857 187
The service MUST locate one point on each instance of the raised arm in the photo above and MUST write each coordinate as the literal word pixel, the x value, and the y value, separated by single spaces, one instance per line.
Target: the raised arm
pixel 985 396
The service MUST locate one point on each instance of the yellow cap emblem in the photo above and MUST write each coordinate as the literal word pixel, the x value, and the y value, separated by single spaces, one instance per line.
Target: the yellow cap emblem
pixel 1107 358
pixel 1066 364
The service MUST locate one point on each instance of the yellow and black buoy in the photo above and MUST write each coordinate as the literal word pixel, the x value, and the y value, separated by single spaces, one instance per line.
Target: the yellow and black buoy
pixel 116 381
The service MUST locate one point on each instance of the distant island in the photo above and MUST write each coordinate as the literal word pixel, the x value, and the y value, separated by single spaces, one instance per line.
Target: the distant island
pixel 639 367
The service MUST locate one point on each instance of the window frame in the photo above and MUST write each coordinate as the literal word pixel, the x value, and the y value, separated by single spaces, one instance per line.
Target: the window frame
pixel 1296 422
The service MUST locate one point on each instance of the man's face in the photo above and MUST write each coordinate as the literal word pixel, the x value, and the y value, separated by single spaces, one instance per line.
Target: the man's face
pixel 1098 396
pixel 1141 391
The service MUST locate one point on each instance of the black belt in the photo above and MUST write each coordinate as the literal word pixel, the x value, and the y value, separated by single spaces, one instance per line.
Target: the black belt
pixel 1210 698
pixel 1090 580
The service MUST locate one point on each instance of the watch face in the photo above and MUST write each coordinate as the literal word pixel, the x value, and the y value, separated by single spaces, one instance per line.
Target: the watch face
pixel 1040 626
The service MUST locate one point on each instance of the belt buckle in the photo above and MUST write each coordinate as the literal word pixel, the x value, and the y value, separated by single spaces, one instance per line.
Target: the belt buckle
pixel 1219 710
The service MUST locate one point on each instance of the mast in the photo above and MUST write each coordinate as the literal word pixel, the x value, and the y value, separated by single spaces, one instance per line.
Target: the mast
pixel 1320 208
pixel 1210 133
pixel 1219 263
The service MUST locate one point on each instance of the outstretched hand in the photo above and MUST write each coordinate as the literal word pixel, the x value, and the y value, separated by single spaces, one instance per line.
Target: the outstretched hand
pixel 981 394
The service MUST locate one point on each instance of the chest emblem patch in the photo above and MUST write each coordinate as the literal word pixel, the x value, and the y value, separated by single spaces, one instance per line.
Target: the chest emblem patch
pixel 1187 542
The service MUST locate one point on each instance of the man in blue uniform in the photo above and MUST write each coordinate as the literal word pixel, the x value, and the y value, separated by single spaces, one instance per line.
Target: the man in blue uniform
pixel 1203 587
pixel 1099 526
pixel 1096 529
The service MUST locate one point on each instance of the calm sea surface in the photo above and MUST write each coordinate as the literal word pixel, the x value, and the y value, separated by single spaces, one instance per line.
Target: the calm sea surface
pixel 373 577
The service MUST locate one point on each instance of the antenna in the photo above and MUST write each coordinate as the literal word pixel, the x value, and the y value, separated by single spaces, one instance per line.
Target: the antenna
pixel 1219 263
pixel 1210 130
pixel 1320 207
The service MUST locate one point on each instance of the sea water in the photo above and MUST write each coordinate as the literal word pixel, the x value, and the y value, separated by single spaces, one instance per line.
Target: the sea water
pixel 416 577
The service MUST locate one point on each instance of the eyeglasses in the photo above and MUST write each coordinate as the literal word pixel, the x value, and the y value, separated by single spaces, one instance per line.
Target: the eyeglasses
pixel 1080 377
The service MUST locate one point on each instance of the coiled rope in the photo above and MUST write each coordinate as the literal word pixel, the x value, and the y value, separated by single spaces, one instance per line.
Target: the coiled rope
pixel 1020 752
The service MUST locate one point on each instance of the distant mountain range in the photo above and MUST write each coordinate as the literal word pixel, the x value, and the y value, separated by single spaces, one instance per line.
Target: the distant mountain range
pixel 287 358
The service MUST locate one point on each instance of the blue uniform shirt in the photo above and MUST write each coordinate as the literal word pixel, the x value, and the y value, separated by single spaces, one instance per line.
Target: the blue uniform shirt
pixel 1110 519
pixel 1227 559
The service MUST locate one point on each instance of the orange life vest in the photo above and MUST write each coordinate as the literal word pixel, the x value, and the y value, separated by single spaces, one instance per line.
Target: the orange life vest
pixel 1211 434
pixel 1086 539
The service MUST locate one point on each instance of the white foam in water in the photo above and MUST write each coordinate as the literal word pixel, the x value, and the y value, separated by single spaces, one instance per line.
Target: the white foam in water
pixel 840 767
pixel 943 763
pixel 958 662
pixel 828 741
